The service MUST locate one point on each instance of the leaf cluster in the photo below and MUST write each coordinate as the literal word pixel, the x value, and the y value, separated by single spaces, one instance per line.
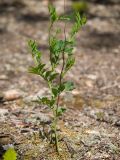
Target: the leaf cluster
pixel 59 50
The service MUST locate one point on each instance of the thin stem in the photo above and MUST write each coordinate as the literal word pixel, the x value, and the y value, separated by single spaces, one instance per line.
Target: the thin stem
pixel 60 81
pixel 55 110
pixel 56 136
pixel 63 59
pixel 50 28
pixel 50 87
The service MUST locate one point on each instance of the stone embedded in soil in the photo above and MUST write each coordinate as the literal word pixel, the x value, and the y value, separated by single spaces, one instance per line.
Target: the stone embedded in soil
pixel 117 123
pixel 89 83
pixel 30 120
pixel 6 147
pixel 91 140
pixel 43 118
pixel 5 139
pixel 11 95
pixel 43 91
pixel 1 97
pixel 3 112
pixel 26 130
pixel 3 77
pixel 38 117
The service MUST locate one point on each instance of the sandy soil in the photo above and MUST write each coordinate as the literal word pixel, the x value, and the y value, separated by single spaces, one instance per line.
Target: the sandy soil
pixel 90 129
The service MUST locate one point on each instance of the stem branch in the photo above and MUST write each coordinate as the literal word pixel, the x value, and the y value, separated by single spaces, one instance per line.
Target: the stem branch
pixel 63 64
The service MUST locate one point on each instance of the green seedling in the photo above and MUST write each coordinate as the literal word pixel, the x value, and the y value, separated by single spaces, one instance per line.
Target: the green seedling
pixel 60 55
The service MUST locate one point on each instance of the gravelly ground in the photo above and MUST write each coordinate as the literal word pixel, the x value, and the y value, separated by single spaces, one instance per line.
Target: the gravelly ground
pixel 92 122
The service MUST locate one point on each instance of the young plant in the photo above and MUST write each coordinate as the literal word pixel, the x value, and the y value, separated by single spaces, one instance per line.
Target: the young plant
pixel 60 55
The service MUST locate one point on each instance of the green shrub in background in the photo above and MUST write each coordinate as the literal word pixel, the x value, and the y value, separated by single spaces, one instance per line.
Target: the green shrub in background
pixel 80 6
pixel 60 55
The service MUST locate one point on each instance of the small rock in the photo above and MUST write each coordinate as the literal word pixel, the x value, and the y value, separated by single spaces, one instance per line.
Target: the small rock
pixel 5 139
pixel 117 123
pixel 75 92
pixel 41 93
pixel 3 112
pixel 25 130
pixel 43 118
pixel 3 77
pixel 89 83
pixel 11 95
pixel 1 98
pixel 6 147
pixel 30 120
pixel 93 132
pixel 91 76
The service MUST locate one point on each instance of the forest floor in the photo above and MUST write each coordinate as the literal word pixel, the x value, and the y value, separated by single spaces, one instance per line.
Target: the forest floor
pixel 90 128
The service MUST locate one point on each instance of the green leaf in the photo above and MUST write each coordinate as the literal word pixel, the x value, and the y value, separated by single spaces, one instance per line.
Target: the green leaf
pixel 53 76
pixel 80 21
pixel 10 154
pixel 39 69
pixel 61 88
pixel 58 31
pixel 54 59
pixel 35 52
pixel 60 44
pixel 52 102
pixel 69 51
pixel 69 44
pixel 60 111
pixel 69 86
pixel 83 20
pixel 53 51
pixel 33 70
pixel 53 14
pixel 56 49
pixel 56 46
pixel 55 91
pixel 47 74
pixel 68 18
pixel 44 100
pixel 41 66
pixel 42 71
pixel 58 89
pixel 69 63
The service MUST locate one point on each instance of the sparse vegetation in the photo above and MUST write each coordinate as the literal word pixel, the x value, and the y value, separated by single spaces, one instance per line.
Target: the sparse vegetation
pixel 90 127
pixel 61 54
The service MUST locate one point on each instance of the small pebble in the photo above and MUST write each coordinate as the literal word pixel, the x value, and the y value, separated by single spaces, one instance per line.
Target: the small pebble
pixel 11 95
